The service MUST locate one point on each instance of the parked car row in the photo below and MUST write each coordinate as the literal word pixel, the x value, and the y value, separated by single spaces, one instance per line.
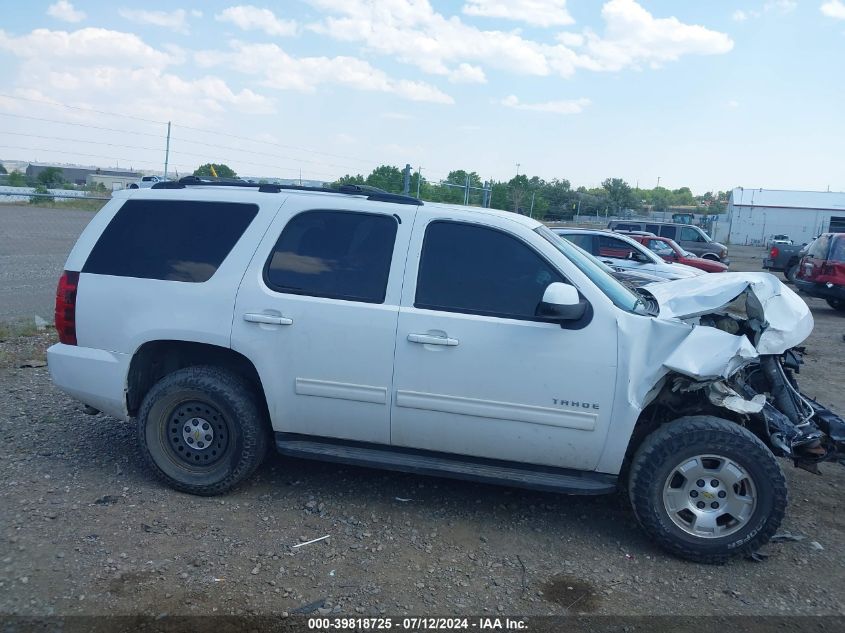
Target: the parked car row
pixel 691 238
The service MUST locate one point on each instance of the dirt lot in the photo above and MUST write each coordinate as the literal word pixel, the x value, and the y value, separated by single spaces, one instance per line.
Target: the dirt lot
pixel 85 529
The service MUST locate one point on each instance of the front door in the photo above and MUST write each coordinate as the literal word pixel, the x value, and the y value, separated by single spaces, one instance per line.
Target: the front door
pixel 476 372
pixel 317 313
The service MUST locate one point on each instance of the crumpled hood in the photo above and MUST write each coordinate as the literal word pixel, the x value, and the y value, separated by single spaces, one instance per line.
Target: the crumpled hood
pixel 785 318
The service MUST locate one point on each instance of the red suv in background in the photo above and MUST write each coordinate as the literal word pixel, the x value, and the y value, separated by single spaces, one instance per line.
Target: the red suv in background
pixel 670 251
pixel 821 272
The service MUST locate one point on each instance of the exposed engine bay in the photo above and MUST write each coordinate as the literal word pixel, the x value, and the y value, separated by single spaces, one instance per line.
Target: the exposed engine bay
pixel 740 361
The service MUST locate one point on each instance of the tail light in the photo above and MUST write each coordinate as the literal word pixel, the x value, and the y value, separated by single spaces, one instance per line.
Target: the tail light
pixel 774 252
pixel 66 307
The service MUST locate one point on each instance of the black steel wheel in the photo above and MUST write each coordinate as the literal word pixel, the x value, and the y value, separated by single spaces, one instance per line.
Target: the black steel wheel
pixel 202 431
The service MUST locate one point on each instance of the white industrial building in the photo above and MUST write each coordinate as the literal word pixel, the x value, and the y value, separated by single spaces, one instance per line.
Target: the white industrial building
pixel 755 215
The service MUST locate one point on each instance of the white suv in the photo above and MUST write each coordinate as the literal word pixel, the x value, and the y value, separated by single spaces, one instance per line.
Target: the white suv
pixel 367 328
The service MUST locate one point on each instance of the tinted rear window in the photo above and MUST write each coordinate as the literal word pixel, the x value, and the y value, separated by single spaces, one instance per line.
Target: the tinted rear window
pixel 172 240
pixel 334 254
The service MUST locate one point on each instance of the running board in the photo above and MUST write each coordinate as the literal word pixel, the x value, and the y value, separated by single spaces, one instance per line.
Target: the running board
pixel 550 479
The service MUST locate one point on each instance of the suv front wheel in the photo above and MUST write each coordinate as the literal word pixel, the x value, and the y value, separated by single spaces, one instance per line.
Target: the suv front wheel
pixel 707 489
pixel 202 431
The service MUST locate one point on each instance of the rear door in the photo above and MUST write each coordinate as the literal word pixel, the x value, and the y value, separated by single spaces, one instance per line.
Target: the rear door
pixel 692 240
pixel 317 313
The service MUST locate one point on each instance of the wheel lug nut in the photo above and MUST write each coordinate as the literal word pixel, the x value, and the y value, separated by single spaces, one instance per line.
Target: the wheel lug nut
pixel 700 483
pixel 700 505
pixel 714 505
pixel 207 438
pixel 722 494
pixel 187 429
pixel 693 493
pixel 714 483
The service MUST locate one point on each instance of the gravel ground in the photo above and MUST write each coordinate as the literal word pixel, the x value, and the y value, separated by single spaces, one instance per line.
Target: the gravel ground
pixel 86 530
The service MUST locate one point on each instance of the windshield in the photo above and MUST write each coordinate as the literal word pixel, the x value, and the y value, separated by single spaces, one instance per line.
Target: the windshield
pixel 837 251
pixel 661 248
pixel 597 273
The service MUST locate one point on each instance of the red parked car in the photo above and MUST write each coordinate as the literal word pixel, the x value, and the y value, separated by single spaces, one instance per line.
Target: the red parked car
pixel 669 250
pixel 821 272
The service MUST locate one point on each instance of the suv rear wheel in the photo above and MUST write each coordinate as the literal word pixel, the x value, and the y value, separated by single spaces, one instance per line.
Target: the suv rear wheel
pixel 202 431
pixel 707 489
pixel 790 273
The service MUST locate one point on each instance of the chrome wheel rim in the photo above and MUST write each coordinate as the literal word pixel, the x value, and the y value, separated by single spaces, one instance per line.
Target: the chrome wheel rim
pixel 709 496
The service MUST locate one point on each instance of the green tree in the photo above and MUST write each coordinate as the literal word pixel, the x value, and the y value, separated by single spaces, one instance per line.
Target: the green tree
pixel 3 169
pixel 619 194
pixel 661 198
pixel 386 177
pixel 42 190
pixel 223 171
pixel 17 179
pixel 51 177
pixel 349 180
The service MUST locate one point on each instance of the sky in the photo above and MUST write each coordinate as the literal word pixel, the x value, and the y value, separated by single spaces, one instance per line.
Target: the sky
pixel 706 94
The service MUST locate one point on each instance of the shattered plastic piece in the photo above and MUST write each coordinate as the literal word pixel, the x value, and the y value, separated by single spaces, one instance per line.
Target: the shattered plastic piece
pixel 723 396
pixel 402 499
pixel 786 319
pixel 757 557
pixel 708 353
pixel 816 545
pixel 782 537
pixel 313 540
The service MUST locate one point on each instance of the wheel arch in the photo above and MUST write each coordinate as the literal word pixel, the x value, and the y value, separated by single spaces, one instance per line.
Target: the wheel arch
pixel 155 359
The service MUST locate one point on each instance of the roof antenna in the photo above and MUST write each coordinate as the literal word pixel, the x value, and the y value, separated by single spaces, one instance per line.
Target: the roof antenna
pixel 300 176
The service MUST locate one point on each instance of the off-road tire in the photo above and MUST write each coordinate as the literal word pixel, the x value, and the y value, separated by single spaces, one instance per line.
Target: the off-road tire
pixel 836 304
pixel 244 428
pixel 790 272
pixel 689 436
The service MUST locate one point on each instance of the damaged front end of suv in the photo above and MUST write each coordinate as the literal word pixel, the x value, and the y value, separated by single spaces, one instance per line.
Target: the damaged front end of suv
pixel 738 358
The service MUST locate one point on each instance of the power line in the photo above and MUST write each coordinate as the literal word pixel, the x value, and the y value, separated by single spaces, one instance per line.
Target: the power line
pixel 187 127
pixel 71 107
pixel 85 125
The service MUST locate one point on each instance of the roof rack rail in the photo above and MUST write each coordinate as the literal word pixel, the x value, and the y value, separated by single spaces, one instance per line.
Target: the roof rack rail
pixel 372 193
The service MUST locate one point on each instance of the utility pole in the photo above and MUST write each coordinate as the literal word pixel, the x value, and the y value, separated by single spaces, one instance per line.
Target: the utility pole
pixel 517 169
pixel 658 181
pixel 167 151
pixel 419 180
pixel 406 180
pixel 531 211
pixel 466 191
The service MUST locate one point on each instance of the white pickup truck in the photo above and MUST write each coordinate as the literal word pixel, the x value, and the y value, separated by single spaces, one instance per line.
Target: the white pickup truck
pixel 366 328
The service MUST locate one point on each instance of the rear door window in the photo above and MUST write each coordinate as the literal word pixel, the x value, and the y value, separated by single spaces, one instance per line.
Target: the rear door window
pixel 170 240
pixel 652 228
pixel 612 247
pixel 582 240
pixel 667 231
pixel 820 247
pixel 837 250
pixel 334 254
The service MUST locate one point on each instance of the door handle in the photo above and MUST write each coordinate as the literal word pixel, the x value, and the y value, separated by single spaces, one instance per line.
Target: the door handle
pixel 428 339
pixel 269 319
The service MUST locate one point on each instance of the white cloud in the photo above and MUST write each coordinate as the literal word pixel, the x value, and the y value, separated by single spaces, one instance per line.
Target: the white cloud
pixel 65 11
pixel 280 70
pixel 739 16
pixel 250 18
pixel 534 12
pixel 467 74
pixel 834 9
pixel 634 37
pixel 780 6
pixel 91 45
pixel 733 104
pixel 572 106
pixel 173 20
pixel 416 34
pixel 118 71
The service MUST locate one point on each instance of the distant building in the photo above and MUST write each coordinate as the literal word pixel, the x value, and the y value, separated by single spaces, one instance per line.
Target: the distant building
pixel 754 215
pixel 112 183
pixel 78 175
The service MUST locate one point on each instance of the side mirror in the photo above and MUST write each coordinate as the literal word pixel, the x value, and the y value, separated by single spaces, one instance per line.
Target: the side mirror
pixel 561 302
